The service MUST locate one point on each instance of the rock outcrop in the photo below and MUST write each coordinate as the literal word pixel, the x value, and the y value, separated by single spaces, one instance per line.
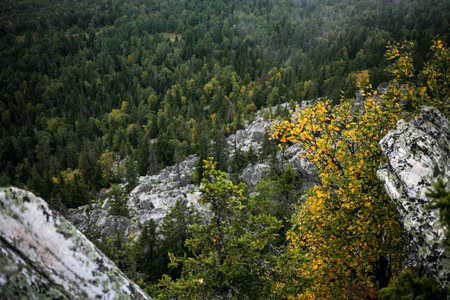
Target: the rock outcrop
pixel 418 153
pixel 156 194
pixel 253 136
pixel 43 256
pixel 150 200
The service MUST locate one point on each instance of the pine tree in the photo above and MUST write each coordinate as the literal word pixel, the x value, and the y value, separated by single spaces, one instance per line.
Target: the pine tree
pixel 131 174
pixel 232 253
pixel 119 202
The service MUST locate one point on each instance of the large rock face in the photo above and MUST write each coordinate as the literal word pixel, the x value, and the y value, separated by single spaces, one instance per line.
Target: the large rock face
pixel 418 154
pixel 42 256
pixel 150 200
pixel 156 194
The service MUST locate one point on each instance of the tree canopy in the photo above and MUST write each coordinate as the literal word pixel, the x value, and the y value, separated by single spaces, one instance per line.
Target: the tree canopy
pixel 89 82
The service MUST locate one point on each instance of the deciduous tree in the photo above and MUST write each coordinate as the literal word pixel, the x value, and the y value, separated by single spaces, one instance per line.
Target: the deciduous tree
pixel 348 225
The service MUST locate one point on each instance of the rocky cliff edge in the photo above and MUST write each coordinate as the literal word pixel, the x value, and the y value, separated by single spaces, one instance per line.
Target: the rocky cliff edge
pixel 418 153
pixel 42 256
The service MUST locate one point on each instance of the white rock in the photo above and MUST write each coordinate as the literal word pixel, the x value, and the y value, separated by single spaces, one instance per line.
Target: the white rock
pixel 418 153
pixel 44 256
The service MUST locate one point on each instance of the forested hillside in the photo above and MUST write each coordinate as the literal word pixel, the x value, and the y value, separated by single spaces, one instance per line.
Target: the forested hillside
pixel 88 83
pixel 97 92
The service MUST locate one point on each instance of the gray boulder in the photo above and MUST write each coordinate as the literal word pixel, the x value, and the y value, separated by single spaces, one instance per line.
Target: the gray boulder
pixel 418 153
pixel 42 256
pixel 110 224
pixel 253 173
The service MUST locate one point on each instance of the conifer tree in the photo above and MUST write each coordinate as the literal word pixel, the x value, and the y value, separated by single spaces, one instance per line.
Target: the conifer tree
pixel 232 253
pixel 152 160
pixel 119 202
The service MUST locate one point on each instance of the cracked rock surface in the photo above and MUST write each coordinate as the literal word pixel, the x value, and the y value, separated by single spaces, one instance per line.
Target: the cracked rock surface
pixel 43 256
pixel 418 153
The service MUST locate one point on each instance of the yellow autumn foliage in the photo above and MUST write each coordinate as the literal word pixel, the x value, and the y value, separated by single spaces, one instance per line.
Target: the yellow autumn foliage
pixel 348 225
pixel 346 235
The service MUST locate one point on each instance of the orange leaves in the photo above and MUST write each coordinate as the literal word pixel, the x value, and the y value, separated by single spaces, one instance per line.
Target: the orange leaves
pixel 432 86
pixel 348 224
pixel 338 141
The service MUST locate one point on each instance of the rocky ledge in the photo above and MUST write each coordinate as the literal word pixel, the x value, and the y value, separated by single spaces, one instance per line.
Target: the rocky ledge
pixel 418 153
pixel 43 256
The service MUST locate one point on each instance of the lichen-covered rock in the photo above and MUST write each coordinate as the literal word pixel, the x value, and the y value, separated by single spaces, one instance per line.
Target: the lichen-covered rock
pixel 306 167
pixel 418 153
pixel 109 225
pixel 43 256
pixel 150 200
pixel 253 173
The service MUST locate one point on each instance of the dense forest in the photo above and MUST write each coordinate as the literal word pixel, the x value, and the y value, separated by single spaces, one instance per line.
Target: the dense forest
pixel 96 93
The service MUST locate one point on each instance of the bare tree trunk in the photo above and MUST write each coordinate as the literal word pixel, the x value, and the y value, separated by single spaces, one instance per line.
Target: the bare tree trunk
pixel 152 162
